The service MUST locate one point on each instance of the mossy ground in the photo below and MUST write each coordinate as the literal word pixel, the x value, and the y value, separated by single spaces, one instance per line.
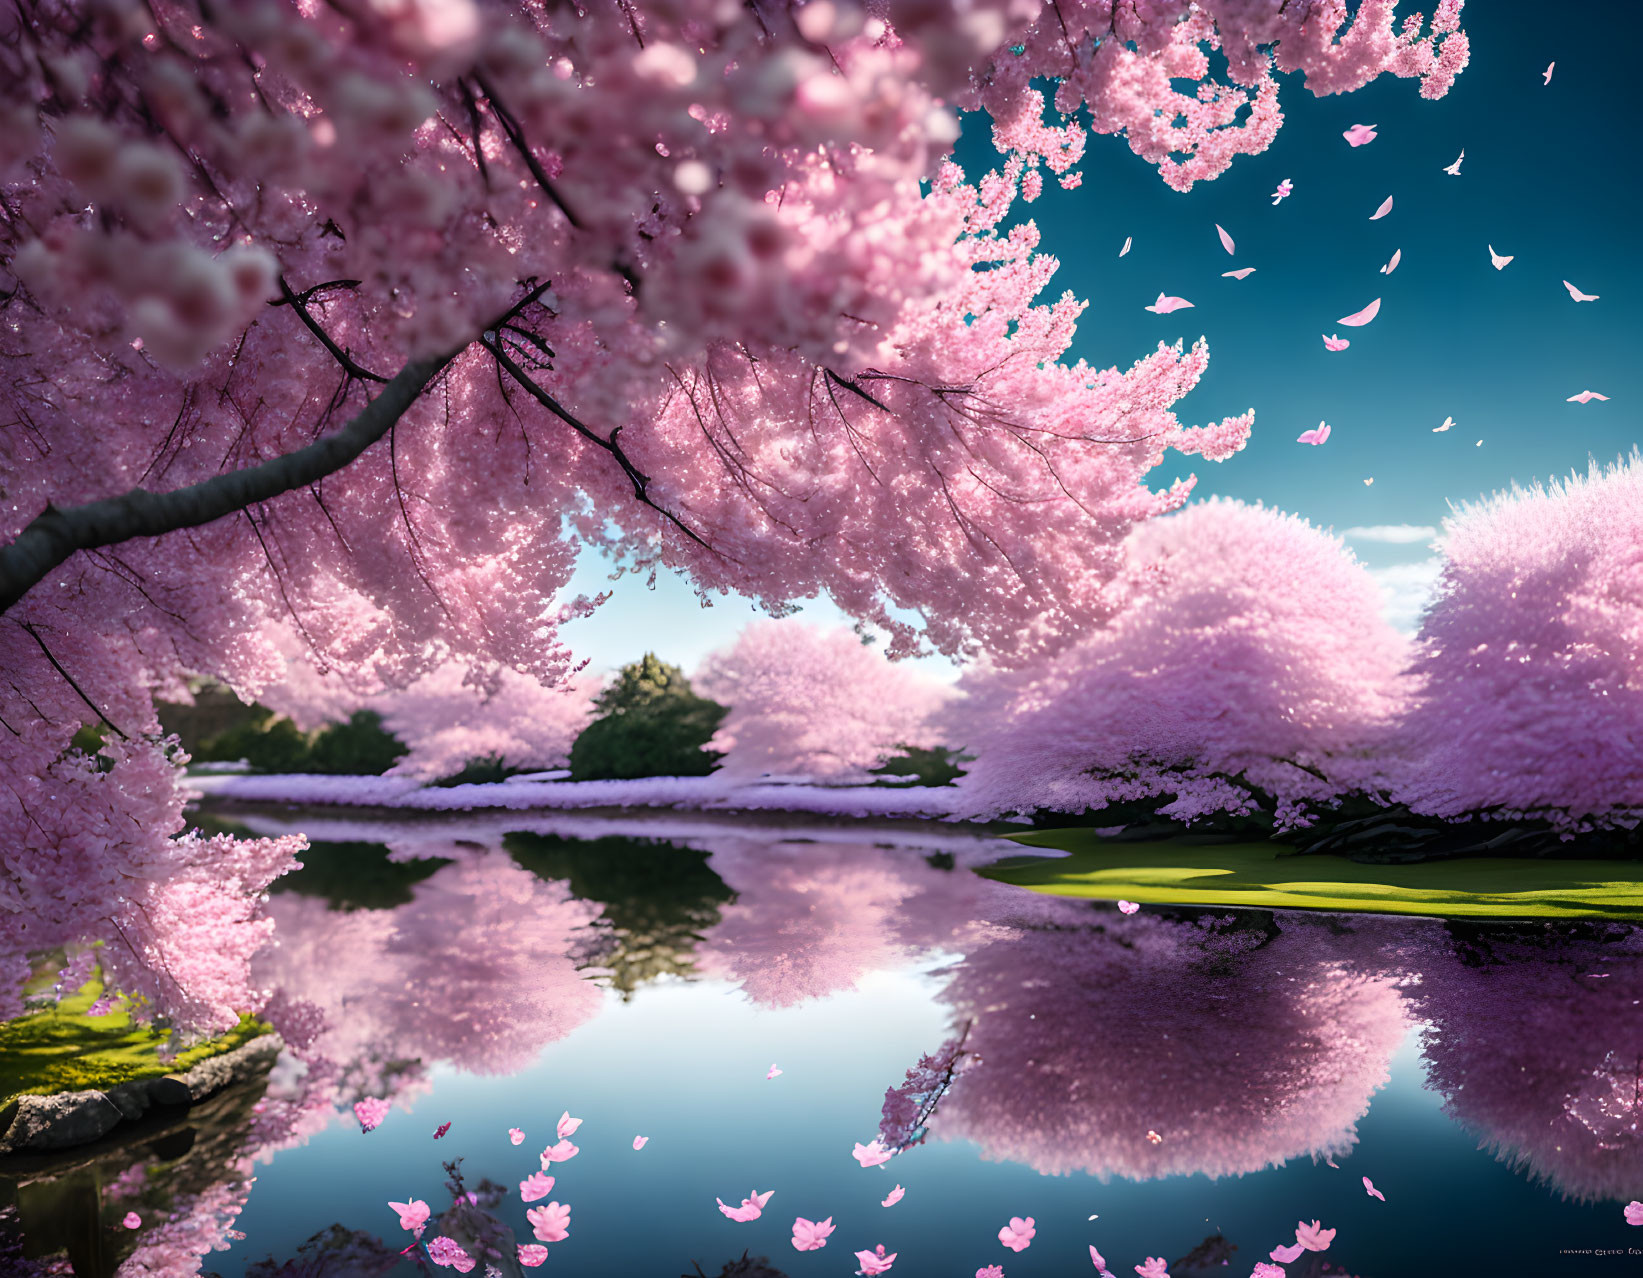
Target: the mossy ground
pixel 61 1049
pixel 1261 876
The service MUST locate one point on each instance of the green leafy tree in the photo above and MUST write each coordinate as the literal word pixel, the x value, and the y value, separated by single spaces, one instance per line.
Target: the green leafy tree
pixel 270 743
pixel 650 724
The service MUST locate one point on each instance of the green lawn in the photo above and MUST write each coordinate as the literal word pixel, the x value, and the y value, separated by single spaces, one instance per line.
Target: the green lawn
pixel 1260 876
pixel 61 1049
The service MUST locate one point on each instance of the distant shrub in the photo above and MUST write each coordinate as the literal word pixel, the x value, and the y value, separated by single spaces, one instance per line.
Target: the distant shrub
pixel 359 747
pixel 935 765
pixel 650 724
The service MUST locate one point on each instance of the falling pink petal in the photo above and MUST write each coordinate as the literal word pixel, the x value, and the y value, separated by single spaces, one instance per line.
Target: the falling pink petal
pixel 1385 208
pixel 1586 397
pixel 1547 74
pixel 1318 436
pixel 639 1142
pixel 535 1187
pixel 1264 1270
pixel 1287 1255
pixel 875 1261
pixel 771 1072
pixel 1499 260
pixel 1153 1138
pixel 515 1136
pixel 745 1212
pixel 1226 240
pixel 412 1215
pixel 370 1112
pixel 1397 256
pixel 132 1220
pixel 1359 318
pixel 567 1125
pixel 1335 343
pixel 893 1197
pixel 441 1130
pixel 1360 135
pixel 811 1235
pixel 1165 304
pixel 990 1271
pixel 1096 1258
pixel 1154 1268
pixel 1369 1188
pixel 559 1153
pixel 550 1223
pixel 1633 1213
pixel 532 1254
pixel 445 1253
pixel 1128 239
pixel 870 1154
pixel 1239 274
pixel 1127 907
pixel 1284 189
pixel 1018 1234
pixel 1368 482
pixel 1578 295
pixel 1313 1237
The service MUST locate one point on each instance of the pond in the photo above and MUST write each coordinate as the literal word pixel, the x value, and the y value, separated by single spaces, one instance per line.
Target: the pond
pixel 1179 1083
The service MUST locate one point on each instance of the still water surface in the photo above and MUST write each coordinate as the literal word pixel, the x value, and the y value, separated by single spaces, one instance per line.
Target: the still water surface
pixel 1186 1078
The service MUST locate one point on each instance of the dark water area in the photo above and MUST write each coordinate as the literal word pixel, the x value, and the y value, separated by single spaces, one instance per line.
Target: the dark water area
pixel 1174 1083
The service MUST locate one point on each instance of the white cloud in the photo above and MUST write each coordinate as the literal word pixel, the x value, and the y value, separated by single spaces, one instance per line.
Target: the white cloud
pixel 1392 534
pixel 1405 591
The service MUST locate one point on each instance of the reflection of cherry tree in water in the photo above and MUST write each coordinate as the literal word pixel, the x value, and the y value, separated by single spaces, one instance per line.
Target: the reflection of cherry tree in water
pixel 1535 1039
pixel 810 920
pixel 1144 1047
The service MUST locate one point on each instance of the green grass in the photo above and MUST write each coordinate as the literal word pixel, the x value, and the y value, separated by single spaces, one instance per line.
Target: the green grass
pixel 61 1049
pixel 1258 875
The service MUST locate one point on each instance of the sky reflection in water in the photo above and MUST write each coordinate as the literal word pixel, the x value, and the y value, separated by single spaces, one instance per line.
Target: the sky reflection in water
pixel 493 981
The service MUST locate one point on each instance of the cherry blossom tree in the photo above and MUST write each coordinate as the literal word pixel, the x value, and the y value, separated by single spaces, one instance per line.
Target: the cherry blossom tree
pixel 1529 659
pixel 1250 669
pixel 816 703
pixel 360 319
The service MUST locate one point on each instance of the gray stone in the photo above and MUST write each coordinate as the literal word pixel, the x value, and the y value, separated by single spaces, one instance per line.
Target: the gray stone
pixel 169 1091
pixel 131 1099
pixel 217 1072
pixel 60 1121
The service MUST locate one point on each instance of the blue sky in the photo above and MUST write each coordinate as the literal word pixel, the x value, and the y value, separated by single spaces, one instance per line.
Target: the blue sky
pixel 1549 178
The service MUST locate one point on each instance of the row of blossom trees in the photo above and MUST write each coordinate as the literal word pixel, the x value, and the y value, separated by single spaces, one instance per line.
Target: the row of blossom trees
pixel 1248 671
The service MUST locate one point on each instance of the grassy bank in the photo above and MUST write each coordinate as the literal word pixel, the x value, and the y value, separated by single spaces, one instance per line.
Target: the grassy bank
pixel 1260 876
pixel 61 1049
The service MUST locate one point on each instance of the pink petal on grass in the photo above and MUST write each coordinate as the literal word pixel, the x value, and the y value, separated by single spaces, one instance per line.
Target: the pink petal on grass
pixel 1359 318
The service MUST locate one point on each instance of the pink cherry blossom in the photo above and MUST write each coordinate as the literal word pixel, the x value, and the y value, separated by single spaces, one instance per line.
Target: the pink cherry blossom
pixel 1336 343
pixel 1264 1270
pixel 567 1126
pixel 412 1215
pixel 370 1112
pixel 639 1142
pixel 893 1197
pixel 990 1271
pixel 875 1261
pixel 131 1220
pixel 532 1254
pixel 1634 1212
pixel 1153 1268
pixel 870 1154
pixel 1128 907
pixel 1369 1188
pixel 751 1207
pixel 550 1223
pixel 1312 1237
pixel 810 1235
pixel 445 1253
pixel 1018 1234
pixel 1360 135
pixel 515 1136
pixel 1317 436
pixel 1287 1253
pixel 535 1186
pixel 561 1151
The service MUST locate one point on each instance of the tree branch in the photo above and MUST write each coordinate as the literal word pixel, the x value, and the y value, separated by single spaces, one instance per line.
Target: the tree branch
pixel 53 535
